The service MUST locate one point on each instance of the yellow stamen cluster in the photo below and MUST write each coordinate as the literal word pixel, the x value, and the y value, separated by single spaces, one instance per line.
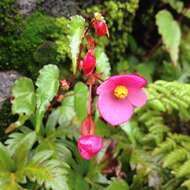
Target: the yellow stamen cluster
pixel 120 92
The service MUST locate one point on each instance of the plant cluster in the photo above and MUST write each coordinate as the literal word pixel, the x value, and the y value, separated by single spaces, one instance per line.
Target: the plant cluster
pixel 73 127
pixel 51 108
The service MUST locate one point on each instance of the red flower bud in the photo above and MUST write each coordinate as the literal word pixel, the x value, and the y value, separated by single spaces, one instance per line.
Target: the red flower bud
pixel 89 63
pixel 59 98
pixel 89 146
pixel 64 84
pixel 100 27
pixel 88 127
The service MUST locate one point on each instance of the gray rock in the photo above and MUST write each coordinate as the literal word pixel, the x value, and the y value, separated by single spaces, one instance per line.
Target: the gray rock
pixel 25 7
pixel 58 8
pixel 7 80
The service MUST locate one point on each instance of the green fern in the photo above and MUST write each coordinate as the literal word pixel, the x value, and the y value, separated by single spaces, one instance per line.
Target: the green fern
pixel 44 165
pixel 168 102
pixel 165 98
pixel 171 95
pixel 178 155
pixel 186 184
pixel 175 156
pixel 184 170
pixel 45 170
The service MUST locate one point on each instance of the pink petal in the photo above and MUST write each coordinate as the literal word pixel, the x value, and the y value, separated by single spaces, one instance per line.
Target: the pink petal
pixel 130 80
pixel 113 110
pixel 89 146
pixel 84 154
pixel 107 86
pixel 137 97
pixel 137 81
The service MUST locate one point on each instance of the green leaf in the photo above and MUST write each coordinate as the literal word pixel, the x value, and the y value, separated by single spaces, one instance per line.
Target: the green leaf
pixel 14 138
pixel 8 182
pixel 59 150
pixel 186 183
pixel 24 99
pixel 102 63
pixel 63 114
pixel 22 149
pixel 132 130
pixel 118 184
pixel 102 128
pixel 52 122
pixel 146 70
pixel 170 32
pixel 6 162
pixel 48 84
pixel 177 5
pixel 66 111
pixel 81 100
pixel 77 182
pixel 43 169
pixel 77 29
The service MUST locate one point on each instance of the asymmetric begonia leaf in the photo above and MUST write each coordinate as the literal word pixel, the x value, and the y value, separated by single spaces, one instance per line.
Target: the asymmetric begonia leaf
pixel 48 84
pixel 170 31
pixel 77 29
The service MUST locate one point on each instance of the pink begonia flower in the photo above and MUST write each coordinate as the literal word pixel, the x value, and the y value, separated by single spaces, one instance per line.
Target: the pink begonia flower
pixel 89 146
pixel 118 96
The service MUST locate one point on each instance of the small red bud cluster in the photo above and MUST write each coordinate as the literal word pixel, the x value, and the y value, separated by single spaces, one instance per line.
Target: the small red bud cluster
pixel 89 63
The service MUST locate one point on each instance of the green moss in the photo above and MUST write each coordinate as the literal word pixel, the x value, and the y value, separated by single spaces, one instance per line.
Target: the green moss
pixel 31 42
pixel 25 48
pixel 119 16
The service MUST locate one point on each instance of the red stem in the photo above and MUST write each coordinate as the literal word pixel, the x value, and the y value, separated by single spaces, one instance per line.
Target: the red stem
pixel 81 46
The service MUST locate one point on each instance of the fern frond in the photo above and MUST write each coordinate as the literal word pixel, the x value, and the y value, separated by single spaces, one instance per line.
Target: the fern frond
pixel 175 156
pixel 59 150
pixel 16 137
pixel 6 162
pixel 165 147
pixel 186 184
pixel 21 152
pixel 184 170
pixel 178 138
pixel 171 95
pixel 44 170
pixel 163 98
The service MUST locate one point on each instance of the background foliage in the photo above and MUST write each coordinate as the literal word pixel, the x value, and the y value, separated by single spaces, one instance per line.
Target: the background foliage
pixel 151 152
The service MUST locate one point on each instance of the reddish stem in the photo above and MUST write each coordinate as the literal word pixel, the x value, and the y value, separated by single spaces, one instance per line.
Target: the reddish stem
pixel 81 46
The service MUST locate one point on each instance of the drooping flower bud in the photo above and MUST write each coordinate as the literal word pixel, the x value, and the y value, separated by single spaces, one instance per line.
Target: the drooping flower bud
pixel 88 127
pixel 100 25
pixel 89 62
pixel 89 146
pixel 100 28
